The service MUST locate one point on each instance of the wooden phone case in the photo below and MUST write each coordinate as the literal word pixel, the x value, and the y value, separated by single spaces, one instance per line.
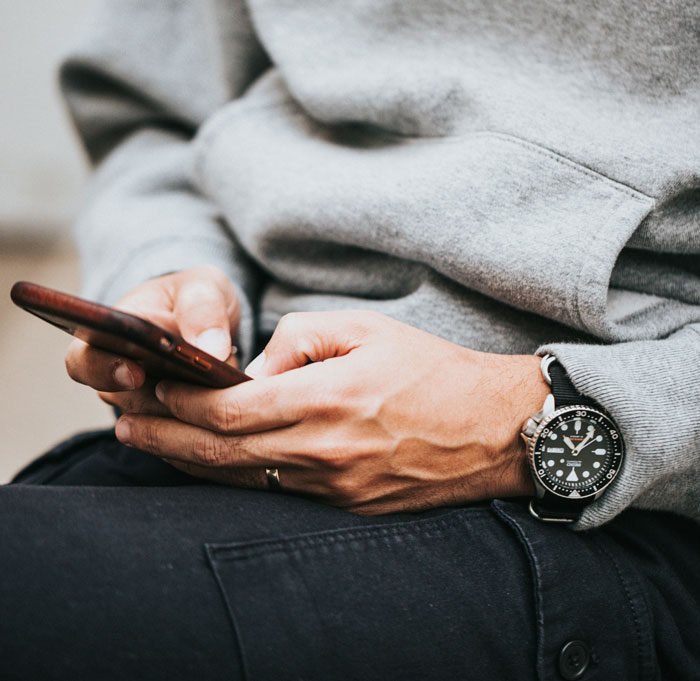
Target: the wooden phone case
pixel 162 354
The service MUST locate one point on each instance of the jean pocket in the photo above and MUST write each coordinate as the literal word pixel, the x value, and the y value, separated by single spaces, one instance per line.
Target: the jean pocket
pixel 422 599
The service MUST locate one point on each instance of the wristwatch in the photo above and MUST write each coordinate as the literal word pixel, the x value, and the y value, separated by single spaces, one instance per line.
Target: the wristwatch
pixel 574 448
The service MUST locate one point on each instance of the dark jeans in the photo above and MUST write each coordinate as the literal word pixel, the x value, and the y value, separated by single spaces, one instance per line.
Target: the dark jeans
pixel 115 566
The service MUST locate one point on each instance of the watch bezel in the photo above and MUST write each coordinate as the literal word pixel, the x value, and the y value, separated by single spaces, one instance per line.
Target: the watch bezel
pixel 595 488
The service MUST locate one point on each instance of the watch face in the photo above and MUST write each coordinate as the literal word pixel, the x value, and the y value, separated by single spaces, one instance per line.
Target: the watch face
pixel 576 452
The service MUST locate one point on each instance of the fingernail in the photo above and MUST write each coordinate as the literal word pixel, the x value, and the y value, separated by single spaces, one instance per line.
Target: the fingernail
pixel 254 367
pixel 216 342
pixel 160 392
pixel 123 376
pixel 123 431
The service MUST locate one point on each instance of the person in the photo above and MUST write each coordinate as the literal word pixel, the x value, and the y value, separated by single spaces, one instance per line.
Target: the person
pixel 394 211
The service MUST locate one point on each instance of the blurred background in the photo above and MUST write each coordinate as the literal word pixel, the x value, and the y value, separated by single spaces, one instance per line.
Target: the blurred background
pixel 42 173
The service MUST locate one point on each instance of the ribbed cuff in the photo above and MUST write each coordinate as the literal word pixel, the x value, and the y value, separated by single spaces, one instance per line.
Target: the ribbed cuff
pixel 652 390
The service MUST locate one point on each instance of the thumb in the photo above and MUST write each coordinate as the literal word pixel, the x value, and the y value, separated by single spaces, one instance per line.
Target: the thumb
pixel 304 337
pixel 205 311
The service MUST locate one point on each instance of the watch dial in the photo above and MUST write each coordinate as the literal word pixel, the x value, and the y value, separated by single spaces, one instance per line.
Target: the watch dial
pixel 577 451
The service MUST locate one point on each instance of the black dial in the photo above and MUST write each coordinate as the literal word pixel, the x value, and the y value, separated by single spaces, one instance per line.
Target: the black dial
pixel 576 451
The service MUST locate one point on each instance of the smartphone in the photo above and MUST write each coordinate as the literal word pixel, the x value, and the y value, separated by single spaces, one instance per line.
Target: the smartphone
pixel 161 353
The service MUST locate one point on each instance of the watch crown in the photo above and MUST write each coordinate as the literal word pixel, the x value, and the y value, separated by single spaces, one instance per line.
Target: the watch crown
pixel 529 428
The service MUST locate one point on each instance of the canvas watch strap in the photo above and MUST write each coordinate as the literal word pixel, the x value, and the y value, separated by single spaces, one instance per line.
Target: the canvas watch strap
pixel 565 394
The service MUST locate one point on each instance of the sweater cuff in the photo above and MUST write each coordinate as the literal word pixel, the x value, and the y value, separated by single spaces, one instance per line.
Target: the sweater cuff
pixel 651 389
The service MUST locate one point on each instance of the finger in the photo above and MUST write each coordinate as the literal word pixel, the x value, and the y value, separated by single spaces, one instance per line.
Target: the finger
pixel 249 478
pixel 292 480
pixel 304 337
pixel 206 309
pixel 250 407
pixel 152 300
pixel 142 401
pixel 171 439
pixel 102 370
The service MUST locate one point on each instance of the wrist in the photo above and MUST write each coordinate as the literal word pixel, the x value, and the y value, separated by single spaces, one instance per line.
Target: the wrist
pixel 526 395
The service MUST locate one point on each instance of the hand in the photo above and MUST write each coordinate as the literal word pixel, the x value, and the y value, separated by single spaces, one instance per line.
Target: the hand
pixel 359 411
pixel 199 304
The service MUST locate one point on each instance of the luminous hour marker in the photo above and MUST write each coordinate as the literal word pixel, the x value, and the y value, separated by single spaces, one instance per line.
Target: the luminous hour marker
pixel 560 473
pixel 599 438
pixel 577 425
pixel 599 452
pixel 596 464
pixel 585 474
pixel 550 463
pixel 553 436
pixel 572 477
pixel 564 426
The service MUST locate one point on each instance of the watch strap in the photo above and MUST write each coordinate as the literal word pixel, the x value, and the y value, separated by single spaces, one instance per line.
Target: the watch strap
pixel 555 509
pixel 565 394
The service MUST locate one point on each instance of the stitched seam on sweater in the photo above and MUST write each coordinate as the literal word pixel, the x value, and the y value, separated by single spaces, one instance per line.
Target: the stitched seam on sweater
pixel 575 165
pixel 289 103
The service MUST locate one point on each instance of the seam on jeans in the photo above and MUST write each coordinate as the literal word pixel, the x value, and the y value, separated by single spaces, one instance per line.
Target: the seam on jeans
pixel 536 586
pixel 408 529
pixel 645 667
pixel 229 609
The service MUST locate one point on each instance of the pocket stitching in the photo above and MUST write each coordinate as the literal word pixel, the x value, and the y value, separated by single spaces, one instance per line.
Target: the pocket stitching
pixel 246 550
pixel 577 166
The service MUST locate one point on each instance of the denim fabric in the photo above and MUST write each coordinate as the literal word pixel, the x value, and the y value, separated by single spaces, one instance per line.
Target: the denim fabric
pixel 127 580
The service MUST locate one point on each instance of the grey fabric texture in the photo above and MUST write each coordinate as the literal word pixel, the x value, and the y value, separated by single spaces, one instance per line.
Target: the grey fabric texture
pixel 514 177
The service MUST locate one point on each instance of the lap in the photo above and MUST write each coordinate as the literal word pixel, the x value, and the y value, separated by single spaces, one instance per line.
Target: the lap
pixel 189 580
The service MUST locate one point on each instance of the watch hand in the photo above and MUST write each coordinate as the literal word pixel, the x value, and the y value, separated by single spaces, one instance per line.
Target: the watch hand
pixel 584 442
pixel 569 443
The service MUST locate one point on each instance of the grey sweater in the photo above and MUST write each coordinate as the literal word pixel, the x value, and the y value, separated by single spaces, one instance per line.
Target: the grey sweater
pixel 515 177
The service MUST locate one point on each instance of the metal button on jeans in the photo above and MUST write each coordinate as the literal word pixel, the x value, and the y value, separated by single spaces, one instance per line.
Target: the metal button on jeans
pixel 573 660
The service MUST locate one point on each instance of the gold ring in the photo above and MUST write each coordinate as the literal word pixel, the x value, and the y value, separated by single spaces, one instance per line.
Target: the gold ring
pixel 273 479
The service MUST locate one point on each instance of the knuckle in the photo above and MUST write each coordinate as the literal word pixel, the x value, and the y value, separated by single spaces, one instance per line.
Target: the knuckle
pixel 72 361
pixel 327 454
pixel 289 322
pixel 212 453
pixel 210 272
pixel 331 407
pixel 108 398
pixel 149 438
pixel 226 414
pixel 345 490
pixel 177 403
pixel 335 459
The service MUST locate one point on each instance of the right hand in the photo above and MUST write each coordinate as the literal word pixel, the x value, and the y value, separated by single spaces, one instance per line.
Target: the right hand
pixel 199 304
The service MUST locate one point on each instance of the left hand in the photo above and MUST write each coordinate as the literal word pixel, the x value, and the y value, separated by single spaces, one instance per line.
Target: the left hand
pixel 359 411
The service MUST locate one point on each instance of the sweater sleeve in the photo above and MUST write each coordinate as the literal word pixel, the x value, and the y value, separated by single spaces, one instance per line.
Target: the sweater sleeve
pixel 139 84
pixel 652 389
